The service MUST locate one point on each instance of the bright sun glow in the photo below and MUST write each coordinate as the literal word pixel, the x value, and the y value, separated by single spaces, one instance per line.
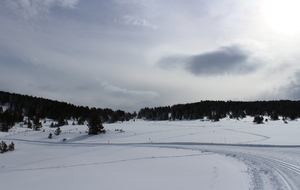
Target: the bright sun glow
pixel 283 15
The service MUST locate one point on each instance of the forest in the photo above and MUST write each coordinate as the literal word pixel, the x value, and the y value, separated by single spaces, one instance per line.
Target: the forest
pixel 17 107
pixel 215 110
pixel 37 109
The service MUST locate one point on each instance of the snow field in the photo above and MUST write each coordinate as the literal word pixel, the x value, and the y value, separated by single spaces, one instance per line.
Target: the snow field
pixel 153 155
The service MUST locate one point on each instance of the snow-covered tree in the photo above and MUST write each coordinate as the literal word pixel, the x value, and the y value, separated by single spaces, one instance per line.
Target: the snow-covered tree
pixel 57 131
pixel 11 146
pixel 3 147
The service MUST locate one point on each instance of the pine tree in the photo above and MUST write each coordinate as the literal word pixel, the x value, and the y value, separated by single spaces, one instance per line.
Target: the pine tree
pixel 57 131
pixel 37 125
pixel 29 124
pixel 95 125
pixel 61 121
pixel 258 119
pixel 11 146
pixel 81 121
pixel 36 121
pixel 50 136
pixel 3 147
pixel 7 120
pixel 274 116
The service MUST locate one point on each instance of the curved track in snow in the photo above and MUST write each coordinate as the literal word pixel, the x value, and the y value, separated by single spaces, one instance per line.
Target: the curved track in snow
pixel 270 167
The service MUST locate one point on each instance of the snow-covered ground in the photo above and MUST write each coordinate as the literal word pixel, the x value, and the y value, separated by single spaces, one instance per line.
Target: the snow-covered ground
pixel 168 155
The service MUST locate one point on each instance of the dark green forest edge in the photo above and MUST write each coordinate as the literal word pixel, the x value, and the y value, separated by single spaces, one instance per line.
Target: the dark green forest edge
pixel 38 109
pixel 35 110
pixel 215 110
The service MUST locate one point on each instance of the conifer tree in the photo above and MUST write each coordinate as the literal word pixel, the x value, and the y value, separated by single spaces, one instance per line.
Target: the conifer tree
pixel 3 147
pixel 95 125
pixel 57 131
pixel 61 121
pixel 50 136
pixel 29 124
pixel 258 119
pixel 11 146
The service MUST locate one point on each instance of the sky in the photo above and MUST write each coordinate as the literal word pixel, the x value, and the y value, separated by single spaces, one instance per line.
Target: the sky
pixel 131 54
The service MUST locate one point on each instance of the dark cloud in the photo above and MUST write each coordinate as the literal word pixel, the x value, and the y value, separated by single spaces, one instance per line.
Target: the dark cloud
pixel 231 60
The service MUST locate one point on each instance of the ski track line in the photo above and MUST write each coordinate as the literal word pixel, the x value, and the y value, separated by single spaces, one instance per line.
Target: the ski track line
pixel 93 144
pixel 291 167
pixel 264 169
pixel 286 172
pixel 64 156
pixel 289 183
pixel 100 163
pixel 258 135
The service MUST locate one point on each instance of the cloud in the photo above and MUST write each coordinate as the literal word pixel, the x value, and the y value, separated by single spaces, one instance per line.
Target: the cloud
pixel 31 8
pixel 230 60
pixel 71 86
pixel 59 49
pixel 113 96
pixel 292 90
pixel 135 21
pixel 121 92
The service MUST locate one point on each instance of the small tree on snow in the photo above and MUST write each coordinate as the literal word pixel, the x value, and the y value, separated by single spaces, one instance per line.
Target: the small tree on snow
pixel 3 147
pixel 95 125
pixel 50 136
pixel 57 131
pixel 11 146
pixel 258 119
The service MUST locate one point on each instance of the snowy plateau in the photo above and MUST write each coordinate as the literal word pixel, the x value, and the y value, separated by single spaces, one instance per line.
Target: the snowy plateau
pixel 155 155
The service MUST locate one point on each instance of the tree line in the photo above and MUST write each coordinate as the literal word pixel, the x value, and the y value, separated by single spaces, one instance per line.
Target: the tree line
pixel 215 110
pixel 18 106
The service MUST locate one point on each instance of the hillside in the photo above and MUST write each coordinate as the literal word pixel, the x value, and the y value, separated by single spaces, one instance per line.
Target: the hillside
pixel 15 107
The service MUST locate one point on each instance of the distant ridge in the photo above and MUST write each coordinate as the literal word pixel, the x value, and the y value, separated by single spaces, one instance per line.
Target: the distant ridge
pixel 214 110
pixel 20 106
